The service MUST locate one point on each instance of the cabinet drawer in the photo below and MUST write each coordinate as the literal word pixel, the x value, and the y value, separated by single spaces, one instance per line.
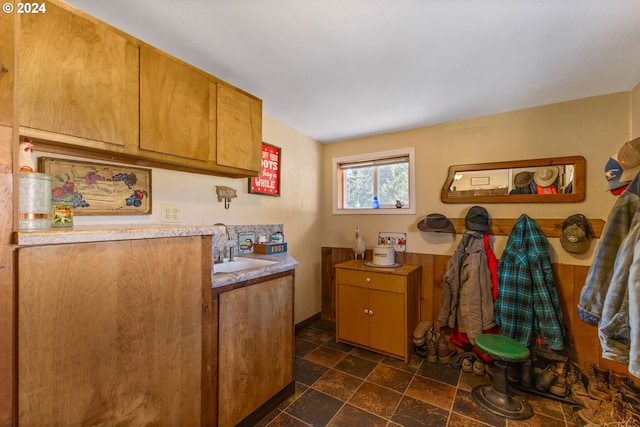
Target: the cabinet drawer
pixel 367 279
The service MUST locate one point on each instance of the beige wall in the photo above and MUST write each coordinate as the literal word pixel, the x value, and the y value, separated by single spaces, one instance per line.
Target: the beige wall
pixel 635 112
pixel 593 127
pixel 298 208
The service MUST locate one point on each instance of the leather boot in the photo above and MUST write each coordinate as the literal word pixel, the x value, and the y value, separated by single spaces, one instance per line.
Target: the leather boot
pixel 526 374
pixel 602 415
pixel 576 389
pixel 546 378
pixel 598 386
pixel 432 351
pixel 445 349
pixel 559 388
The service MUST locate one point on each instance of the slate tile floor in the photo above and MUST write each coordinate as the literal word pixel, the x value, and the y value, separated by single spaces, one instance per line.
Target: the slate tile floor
pixel 344 386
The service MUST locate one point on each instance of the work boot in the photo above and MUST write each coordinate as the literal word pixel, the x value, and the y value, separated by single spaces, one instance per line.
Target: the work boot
pixel 598 378
pixel 432 351
pixel 559 388
pixel 445 349
pixel 526 374
pixel 513 373
pixel 602 415
pixel 546 378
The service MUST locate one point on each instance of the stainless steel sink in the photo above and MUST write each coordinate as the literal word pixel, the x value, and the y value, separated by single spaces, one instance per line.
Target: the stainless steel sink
pixel 240 264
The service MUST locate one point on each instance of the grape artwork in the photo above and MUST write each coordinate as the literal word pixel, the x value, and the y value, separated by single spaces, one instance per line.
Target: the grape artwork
pixel 102 188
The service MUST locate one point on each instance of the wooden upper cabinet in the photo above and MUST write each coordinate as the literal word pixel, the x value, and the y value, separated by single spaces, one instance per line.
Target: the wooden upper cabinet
pixel 77 77
pixel 83 85
pixel 239 129
pixel 6 69
pixel 175 116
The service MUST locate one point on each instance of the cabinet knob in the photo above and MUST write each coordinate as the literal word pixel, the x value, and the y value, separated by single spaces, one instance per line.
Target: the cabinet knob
pixel 366 311
pixel 370 312
pixel 368 279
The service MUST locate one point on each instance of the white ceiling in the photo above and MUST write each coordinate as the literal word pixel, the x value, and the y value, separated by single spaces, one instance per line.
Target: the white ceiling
pixel 338 69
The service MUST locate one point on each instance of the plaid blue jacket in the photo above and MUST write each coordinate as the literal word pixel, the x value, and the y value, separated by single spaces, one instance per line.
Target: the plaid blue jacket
pixel 527 302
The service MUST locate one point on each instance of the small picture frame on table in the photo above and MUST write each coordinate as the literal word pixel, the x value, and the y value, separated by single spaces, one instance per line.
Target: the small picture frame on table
pixel 62 215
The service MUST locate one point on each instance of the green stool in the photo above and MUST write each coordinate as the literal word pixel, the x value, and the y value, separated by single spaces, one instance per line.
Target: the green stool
pixel 495 397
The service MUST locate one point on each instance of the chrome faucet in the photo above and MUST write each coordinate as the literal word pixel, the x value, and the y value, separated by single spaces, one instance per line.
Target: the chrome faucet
pixel 230 242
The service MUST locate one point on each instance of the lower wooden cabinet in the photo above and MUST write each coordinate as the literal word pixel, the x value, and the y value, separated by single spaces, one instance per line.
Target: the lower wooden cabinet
pixel 255 347
pixel 111 333
pixel 378 308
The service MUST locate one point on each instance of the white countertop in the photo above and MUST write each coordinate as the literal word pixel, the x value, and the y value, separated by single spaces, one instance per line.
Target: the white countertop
pixel 102 233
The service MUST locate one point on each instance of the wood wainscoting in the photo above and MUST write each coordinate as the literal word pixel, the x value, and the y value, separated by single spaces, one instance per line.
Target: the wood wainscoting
pixel 584 345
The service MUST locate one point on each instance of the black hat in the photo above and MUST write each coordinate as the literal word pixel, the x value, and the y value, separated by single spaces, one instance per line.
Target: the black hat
pixel 436 222
pixel 477 219
pixel 576 234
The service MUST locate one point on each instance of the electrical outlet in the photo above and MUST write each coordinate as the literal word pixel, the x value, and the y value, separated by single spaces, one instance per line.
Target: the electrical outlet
pixel 170 213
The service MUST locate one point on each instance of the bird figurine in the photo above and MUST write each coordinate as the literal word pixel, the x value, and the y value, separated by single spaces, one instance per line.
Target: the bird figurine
pixel 26 158
pixel 358 245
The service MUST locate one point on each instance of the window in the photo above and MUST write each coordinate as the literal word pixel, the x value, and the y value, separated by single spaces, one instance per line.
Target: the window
pixel 388 177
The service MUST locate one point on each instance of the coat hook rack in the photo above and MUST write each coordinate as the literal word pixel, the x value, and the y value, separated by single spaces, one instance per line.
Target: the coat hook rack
pixel 225 193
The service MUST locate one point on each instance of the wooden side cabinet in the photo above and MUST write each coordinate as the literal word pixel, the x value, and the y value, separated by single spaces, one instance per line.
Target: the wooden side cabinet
pixel 378 308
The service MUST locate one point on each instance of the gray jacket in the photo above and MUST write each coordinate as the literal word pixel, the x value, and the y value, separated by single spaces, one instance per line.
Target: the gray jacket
pixel 466 301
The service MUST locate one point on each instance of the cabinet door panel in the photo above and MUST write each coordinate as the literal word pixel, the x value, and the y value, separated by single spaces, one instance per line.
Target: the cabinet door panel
pixel 110 333
pixel 239 142
pixel 76 77
pixel 255 347
pixel 174 107
pixel 353 322
pixel 387 322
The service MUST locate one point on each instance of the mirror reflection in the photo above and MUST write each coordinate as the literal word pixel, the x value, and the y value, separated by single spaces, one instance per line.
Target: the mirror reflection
pixel 540 180
pixel 558 179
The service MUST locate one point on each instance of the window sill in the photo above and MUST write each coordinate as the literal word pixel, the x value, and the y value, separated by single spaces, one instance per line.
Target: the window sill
pixel 371 211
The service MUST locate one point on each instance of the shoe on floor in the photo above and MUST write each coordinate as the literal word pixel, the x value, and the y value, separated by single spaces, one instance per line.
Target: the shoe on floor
pixel 526 374
pixel 445 349
pixel 602 415
pixel 478 368
pixel 420 333
pixel 597 387
pixel 546 378
pixel 421 350
pixel 432 351
pixel 513 373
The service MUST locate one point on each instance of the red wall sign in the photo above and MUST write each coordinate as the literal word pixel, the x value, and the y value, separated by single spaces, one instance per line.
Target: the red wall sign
pixel 268 182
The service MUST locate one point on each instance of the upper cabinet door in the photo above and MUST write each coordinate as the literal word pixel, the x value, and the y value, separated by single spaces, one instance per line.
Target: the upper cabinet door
pixel 239 129
pixel 174 107
pixel 77 78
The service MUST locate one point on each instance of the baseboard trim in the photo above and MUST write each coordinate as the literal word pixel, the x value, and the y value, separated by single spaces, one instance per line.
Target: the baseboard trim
pixel 308 321
pixel 271 404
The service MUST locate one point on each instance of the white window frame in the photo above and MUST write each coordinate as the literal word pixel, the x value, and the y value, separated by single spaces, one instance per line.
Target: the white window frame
pixel 410 152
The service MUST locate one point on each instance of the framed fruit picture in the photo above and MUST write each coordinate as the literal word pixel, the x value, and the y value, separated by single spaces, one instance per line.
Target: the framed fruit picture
pixel 98 188
pixel 268 183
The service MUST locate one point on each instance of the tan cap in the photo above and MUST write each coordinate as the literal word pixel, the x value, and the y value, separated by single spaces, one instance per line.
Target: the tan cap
pixel 629 159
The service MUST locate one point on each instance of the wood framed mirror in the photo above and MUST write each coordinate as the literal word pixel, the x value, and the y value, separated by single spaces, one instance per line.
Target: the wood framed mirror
pixel 550 180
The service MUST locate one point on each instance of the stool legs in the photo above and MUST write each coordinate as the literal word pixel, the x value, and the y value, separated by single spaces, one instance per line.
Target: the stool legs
pixel 495 397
